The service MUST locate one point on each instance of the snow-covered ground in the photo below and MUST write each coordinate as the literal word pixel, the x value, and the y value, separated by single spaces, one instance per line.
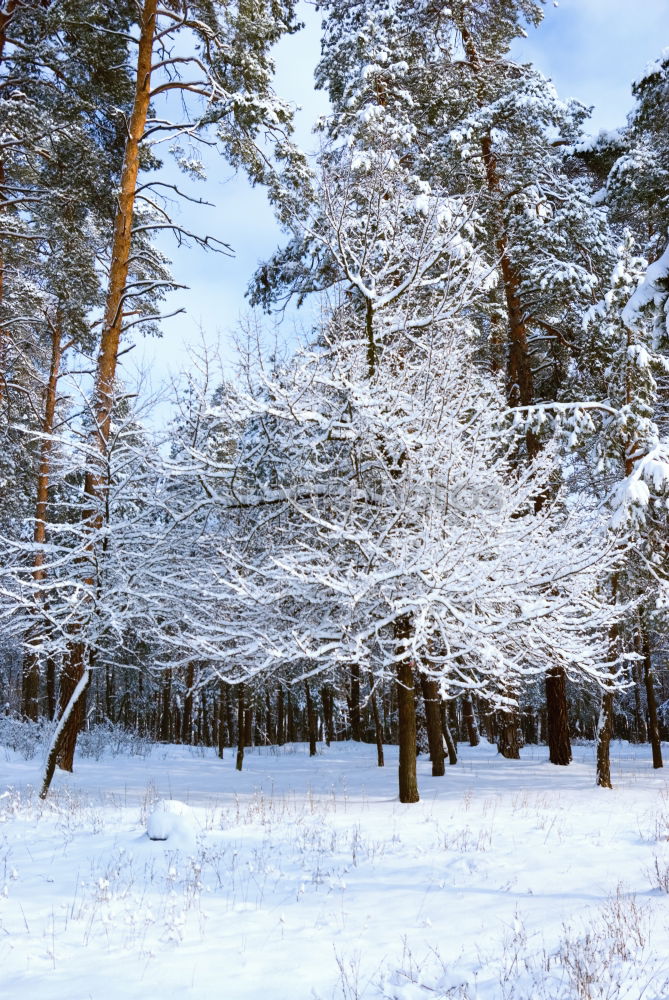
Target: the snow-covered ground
pixel 305 878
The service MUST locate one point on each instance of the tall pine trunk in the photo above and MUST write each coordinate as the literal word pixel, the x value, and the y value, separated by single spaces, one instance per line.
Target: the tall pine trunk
pixel 408 783
pixel 94 483
pixel 557 720
pixel 520 392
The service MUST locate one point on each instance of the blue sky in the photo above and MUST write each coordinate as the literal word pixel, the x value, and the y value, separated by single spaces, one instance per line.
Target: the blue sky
pixel 591 49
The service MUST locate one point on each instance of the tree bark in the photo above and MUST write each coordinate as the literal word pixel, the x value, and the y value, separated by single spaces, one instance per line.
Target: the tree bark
pixel 187 718
pixel 291 717
pixel 470 721
pixel 355 702
pixel 74 669
pixel 311 720
pixel 432 702
pixel 653 727
pixel 327 702
pixel 378 729
pixel 222 704
pixel 77 696
pixel 241 728
pixel 51 687
pixel 557 720
pixel 604 733
pixel 280 718
pixel 166 707
pixel 112 325
pixel 451 745
pixel 508 744
pixel 408 784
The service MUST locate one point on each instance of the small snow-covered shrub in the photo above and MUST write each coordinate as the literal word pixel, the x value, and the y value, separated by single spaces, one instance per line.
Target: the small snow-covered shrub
pixel 105 738
pixel 173 821
pixel 26 738
pixel 659 874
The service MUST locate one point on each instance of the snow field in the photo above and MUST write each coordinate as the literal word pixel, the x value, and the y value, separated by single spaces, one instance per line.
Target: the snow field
pixel 306 879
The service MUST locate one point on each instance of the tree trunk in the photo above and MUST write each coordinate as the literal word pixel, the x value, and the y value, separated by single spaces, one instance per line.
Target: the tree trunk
pixel 51 687
pixel 241 728
pixel 187 718
pixel 605 723
pixel 326 701
pixel 112 325
pixel 640 734
pixel 222 703
pixel 291 718
pixel 653 727
pixel 280 718
pixel 270 725
pixel 74 668
pixel 355 702
pixel 77 697
pixel 230 715
pixel 470 721
pixel 604 733
pixel 508 744
pixel 109 693
pixel 432 702
pixel 408 784
pixel 451 745
pixel 311 720
pixel 166 707
pixel 248 722
pixel 557 720
pixel 378 729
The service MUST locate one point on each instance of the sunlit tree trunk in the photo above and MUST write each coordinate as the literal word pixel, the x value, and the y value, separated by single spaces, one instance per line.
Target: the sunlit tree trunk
pixel 94 484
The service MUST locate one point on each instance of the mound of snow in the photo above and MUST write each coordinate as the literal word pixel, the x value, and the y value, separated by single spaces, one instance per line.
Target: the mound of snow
pixel 173 821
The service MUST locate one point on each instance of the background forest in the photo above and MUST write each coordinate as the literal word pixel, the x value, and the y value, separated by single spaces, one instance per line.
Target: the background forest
pixel 445 512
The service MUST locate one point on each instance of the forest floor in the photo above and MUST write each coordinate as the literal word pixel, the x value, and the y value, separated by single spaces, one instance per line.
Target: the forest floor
pixel 305 879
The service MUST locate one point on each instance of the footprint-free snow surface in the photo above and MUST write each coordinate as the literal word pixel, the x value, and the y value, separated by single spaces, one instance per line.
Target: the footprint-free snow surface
pixel 306 878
